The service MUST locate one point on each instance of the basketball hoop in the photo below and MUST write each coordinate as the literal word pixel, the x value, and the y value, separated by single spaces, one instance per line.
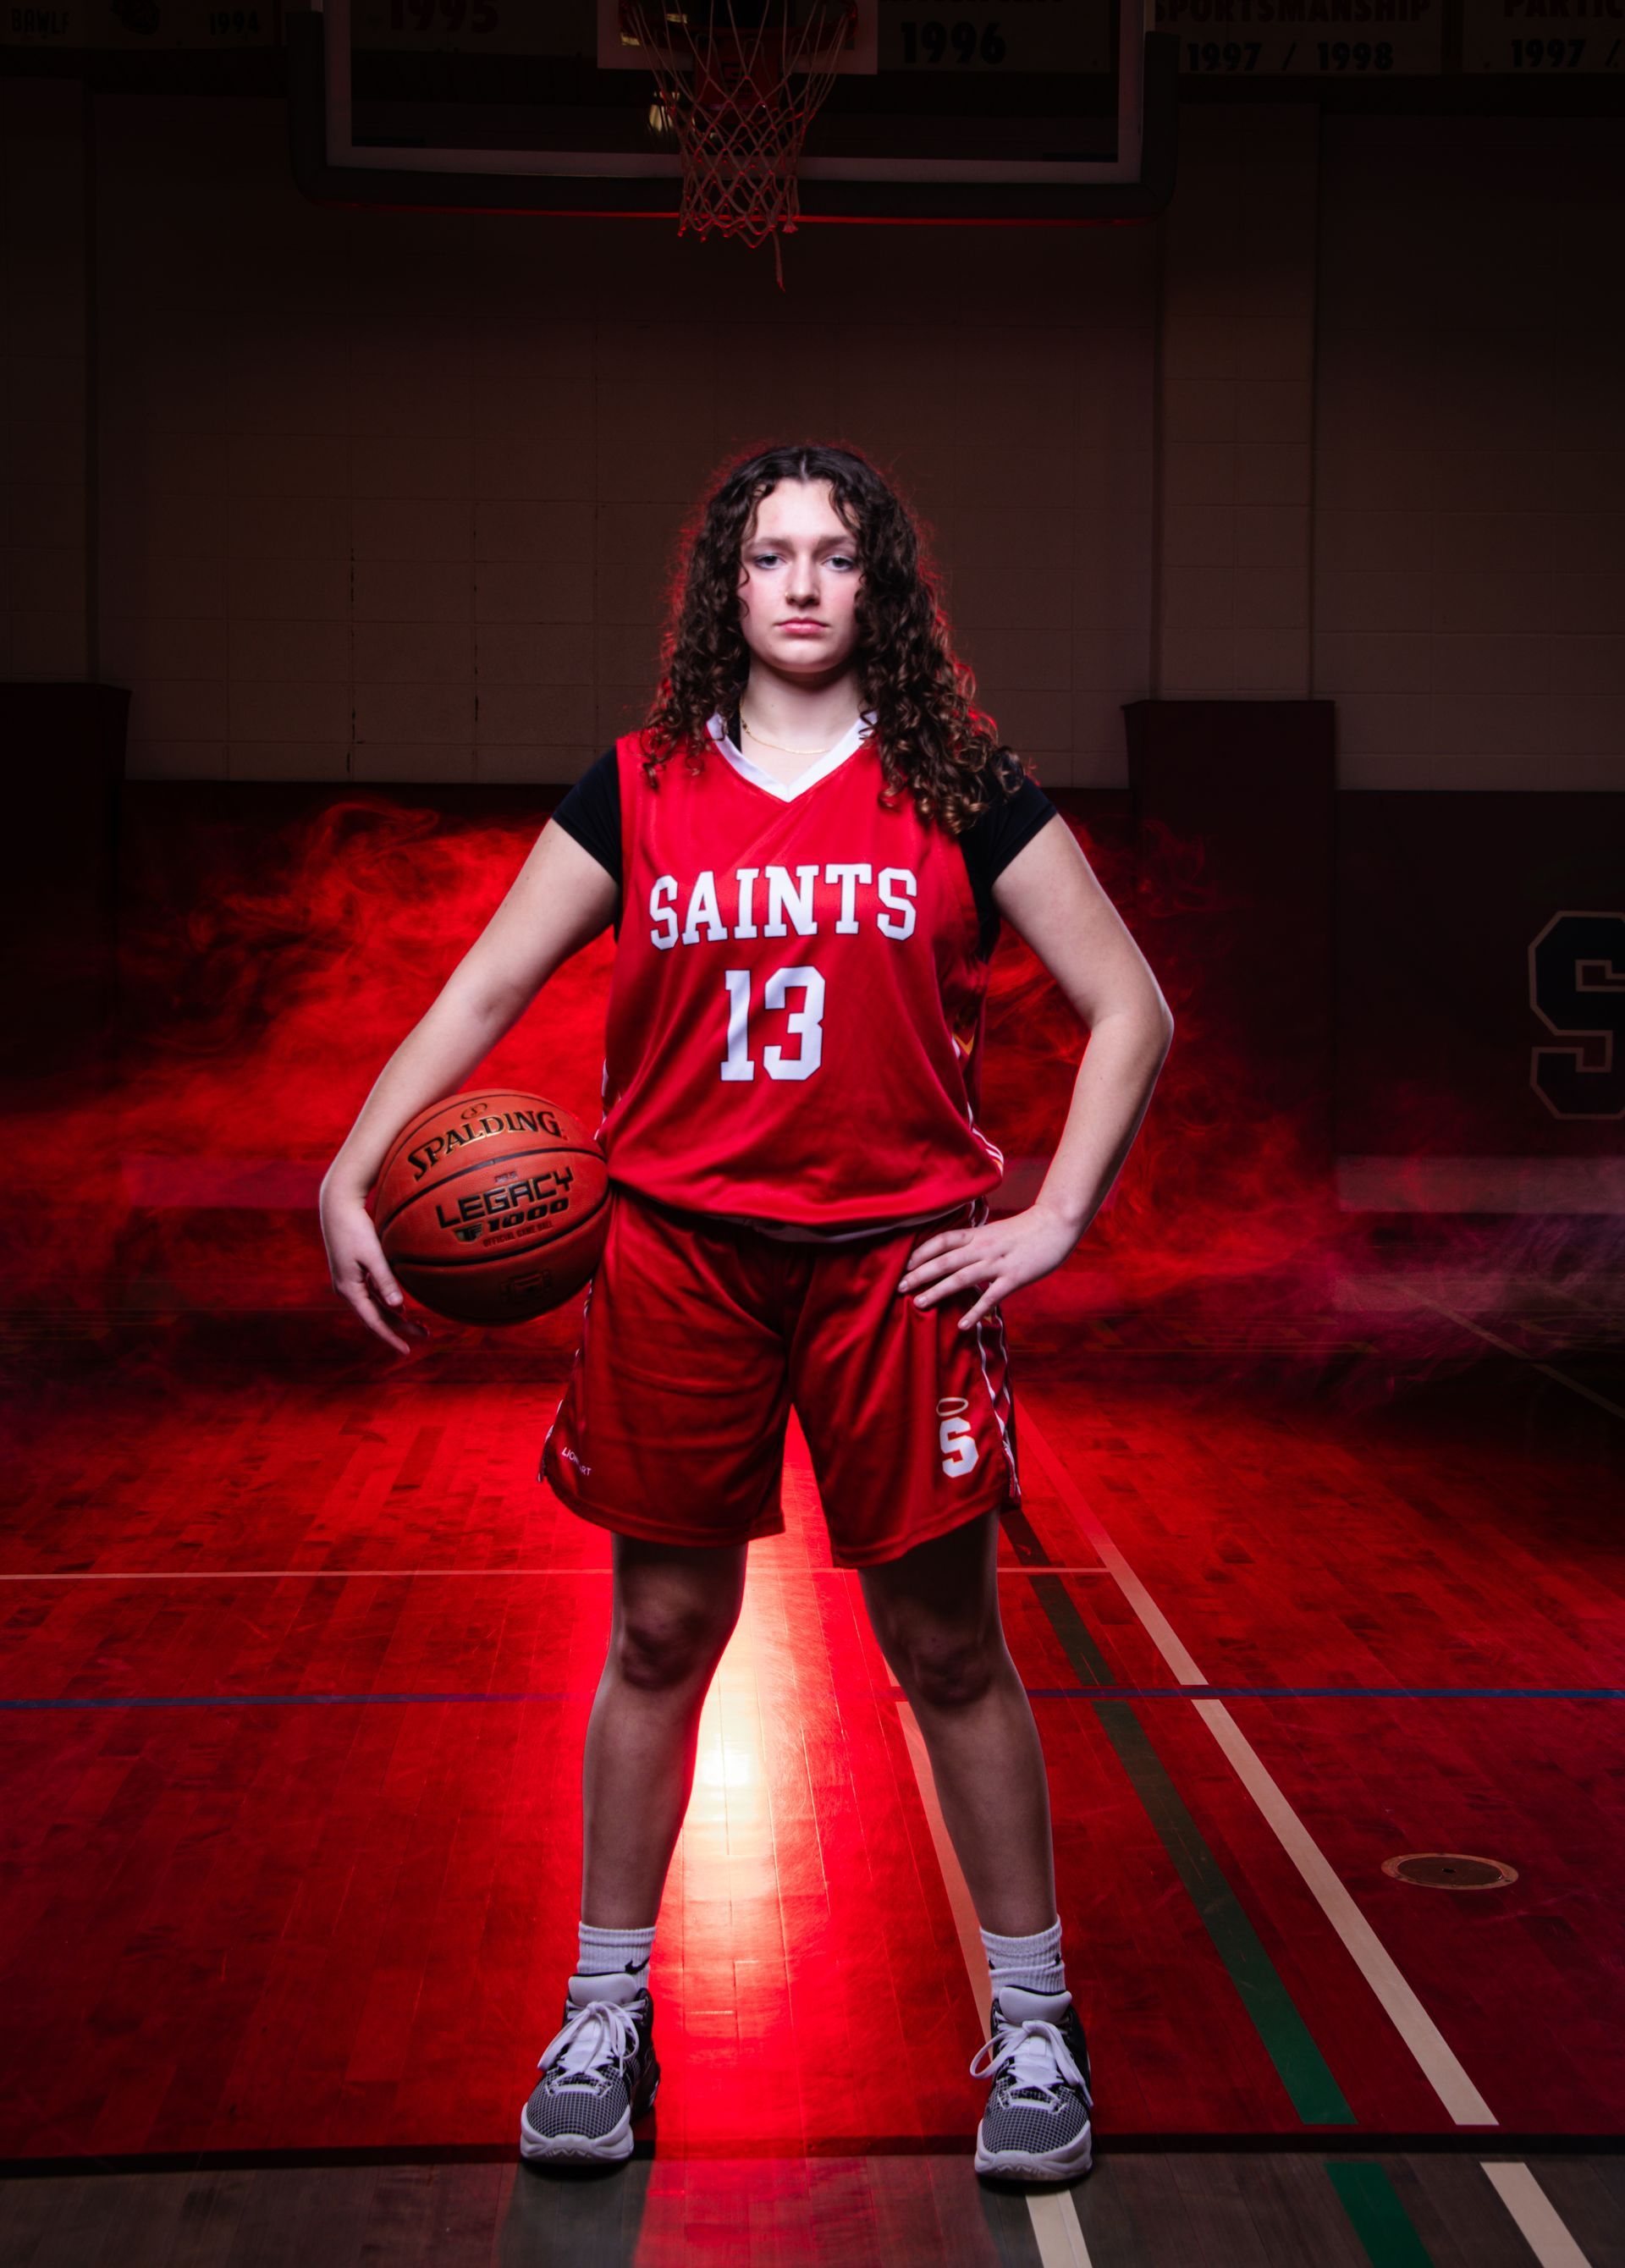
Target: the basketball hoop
pixel 741 81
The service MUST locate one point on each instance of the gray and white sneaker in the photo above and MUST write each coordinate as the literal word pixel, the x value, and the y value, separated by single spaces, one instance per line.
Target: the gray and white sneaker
pixel 599 2075
pixel 1036 2126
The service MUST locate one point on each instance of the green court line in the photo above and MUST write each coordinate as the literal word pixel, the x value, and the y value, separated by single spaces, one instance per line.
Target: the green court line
pixel 1380 2222
pixel 1315 2096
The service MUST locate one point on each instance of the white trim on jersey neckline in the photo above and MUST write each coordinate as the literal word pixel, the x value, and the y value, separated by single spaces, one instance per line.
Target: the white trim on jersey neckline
pixel 820 769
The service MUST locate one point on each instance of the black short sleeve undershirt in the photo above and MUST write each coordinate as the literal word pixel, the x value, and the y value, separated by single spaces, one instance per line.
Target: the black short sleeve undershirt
pixel 591 812
pixel 991 841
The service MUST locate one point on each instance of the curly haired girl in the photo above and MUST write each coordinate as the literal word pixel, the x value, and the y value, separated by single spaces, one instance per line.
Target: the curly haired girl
pixel 806 854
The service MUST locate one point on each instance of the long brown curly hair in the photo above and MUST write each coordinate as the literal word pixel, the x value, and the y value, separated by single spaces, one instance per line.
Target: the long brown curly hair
pixel 934 744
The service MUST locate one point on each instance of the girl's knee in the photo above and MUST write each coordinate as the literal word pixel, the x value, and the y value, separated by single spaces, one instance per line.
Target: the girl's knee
pixel 660 1642
pixel 951 1669
pixel 942 1664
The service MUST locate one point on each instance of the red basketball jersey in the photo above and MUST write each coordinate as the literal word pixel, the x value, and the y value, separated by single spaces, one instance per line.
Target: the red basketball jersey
pixel 796 1005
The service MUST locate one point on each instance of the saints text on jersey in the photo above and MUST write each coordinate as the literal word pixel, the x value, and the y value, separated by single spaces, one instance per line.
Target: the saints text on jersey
pixel 888 902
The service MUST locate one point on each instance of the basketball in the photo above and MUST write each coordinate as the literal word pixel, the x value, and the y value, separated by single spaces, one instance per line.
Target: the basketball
pixel 492 1206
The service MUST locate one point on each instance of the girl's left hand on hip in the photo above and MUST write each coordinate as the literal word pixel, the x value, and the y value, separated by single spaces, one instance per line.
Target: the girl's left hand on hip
pixel 999 1257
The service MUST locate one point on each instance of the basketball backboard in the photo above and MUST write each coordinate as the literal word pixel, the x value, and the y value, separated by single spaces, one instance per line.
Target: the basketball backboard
pixel 1033 111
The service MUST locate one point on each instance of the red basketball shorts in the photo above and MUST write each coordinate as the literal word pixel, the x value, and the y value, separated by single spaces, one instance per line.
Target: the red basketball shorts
pixel 696 1339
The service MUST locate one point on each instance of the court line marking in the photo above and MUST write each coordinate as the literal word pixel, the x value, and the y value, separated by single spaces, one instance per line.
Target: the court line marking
pixel 959 1898
pixel 1053 2213
pixel 17 1701
pixel 1373 2209
pixel 281 1575
pixel 394 1574
pixel 1108 1692
pixel 1574 1385
pixel 1055 2223
pixel 278 1700
pixel 1538 2222
pixel 1432 2052
pixel 1264 1993
pixel 1326 1692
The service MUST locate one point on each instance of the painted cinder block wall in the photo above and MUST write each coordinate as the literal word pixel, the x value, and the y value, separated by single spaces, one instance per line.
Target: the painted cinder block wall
pixel 391 497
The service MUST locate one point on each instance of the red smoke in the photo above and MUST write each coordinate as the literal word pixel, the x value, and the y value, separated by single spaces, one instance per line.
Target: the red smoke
pixel 276 949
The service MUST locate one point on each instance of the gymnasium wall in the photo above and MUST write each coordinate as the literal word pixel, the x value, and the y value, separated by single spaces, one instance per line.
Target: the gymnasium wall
pixel 389 497
pixel 1469 525
pixel 397 493
pixel 45 308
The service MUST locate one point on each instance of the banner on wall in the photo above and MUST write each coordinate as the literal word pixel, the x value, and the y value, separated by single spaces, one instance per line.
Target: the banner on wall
pixel 1543 39
pixel 98 25
pixel 1306 39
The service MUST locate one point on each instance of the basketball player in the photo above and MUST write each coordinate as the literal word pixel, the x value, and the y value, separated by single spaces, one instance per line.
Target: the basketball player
pixel 805 856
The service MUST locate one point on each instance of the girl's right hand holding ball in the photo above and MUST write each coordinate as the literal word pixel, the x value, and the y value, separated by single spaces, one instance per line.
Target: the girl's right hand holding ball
pixel 361 1275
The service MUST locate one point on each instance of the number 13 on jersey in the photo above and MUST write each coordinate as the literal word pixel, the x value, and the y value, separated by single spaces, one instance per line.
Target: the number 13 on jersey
pixel 805 1023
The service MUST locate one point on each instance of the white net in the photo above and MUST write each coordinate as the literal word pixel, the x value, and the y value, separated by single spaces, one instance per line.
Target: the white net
pixel 739 81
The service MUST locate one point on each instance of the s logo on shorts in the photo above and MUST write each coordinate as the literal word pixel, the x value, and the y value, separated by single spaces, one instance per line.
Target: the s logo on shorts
pixel 955 1436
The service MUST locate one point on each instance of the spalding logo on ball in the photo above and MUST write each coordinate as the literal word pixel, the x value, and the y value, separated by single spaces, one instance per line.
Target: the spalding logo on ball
pixel 492 1207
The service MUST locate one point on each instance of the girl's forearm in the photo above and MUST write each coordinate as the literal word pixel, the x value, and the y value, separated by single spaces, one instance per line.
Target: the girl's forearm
pixel 1113 1087
pixel 435 1059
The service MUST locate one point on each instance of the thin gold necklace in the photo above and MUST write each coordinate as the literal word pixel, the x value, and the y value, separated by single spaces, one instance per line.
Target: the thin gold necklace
pixel 782 746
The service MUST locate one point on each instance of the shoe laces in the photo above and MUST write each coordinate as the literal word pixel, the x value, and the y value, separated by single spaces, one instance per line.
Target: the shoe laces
pixel 1037 2056
pixel 586 2050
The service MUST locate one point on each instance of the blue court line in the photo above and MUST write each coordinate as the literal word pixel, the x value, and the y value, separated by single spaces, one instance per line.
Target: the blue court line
pixel 281 1700
pixel 1035 1692
pixel 1331 1692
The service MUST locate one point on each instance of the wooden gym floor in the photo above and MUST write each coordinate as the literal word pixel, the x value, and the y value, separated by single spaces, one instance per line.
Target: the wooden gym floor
pixel 295 1674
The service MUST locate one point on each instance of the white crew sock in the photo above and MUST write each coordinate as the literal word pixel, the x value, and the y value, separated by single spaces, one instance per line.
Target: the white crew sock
pixel 1032 1962
pixel 626 1951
